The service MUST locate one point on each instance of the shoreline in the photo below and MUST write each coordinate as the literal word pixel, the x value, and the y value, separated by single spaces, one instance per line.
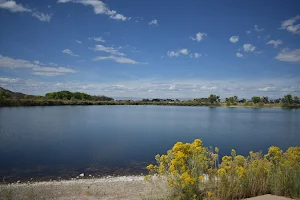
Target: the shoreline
pixel 123 187
pixel 107 188
pixel 51 103
pixel 86 179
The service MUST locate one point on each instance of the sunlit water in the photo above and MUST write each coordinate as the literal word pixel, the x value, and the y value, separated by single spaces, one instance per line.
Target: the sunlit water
pixel 52 142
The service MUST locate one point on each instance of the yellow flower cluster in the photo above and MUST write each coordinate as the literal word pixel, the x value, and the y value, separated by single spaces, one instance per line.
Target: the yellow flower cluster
pixel 186 165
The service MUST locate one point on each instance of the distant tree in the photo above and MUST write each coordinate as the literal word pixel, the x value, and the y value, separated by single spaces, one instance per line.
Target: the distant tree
pixel 231 100
pixel 26 96
pixel 256 99
pixel 67 95
pixel 213 98
pixel 38 97
pixel 156 100
pixel 287 99
pixel 265 99
pixel 235 99
pixel 242 101
pixel 170 100
pixel 296 100
pixel 51 95
pixel 277 100
pixel 5 95
pixel 202 100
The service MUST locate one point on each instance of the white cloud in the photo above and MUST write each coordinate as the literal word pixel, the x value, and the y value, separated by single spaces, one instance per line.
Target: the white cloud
pixel 199 36
pixel 41 16
pixel 178 52
pixel 287 55
pixel 153 22
pixel 249 47
pixel 234 39
pixel 99 8
pixel 9 80
pixel 195 55
pixel 173 53
pixel 119 17
pixel 258 52
pixel 163 87
pixel 97 39
pixel 36 66
pixel 69 52
pixel 257 29
pixel 78 41
pixel 184 51
pixel 12 6
pixel 266 89
pixel 275 43
pixel 63 1
pixel 239 55
pixel 110 50
pixel 289 25
pixel 248 32
pixel 48 73
pixel 121 60
pixel 294 29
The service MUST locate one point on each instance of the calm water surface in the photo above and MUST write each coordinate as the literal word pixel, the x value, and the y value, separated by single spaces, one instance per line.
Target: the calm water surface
pixel 52 142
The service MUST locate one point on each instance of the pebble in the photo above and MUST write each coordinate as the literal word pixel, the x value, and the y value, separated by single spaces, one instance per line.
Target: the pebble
pixel 81 175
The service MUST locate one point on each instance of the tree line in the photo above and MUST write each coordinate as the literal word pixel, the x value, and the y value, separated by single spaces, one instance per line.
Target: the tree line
pixel 61 95
pixel 8 98
pixel 67 95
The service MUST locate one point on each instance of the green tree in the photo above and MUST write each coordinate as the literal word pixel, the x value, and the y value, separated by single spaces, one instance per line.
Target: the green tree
pixel 256 99
pixel 51 95
pixel 5 95
pixel 265 99
pixel 232 100
pixel 213 99
pixel 242 101
pixel 296 100
pixel 287 99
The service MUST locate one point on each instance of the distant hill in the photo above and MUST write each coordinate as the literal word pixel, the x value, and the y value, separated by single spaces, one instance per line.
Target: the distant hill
pixel 16 95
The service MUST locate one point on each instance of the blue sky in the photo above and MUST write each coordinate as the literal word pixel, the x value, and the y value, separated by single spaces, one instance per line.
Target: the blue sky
pixel 149 49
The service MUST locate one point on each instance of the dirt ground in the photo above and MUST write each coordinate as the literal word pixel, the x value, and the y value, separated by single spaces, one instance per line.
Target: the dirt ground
pixel 127 188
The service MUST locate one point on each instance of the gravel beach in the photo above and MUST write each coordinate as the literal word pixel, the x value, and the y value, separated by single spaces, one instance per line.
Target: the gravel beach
pixel 124 187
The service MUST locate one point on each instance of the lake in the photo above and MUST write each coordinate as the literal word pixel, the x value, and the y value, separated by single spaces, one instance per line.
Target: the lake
pixel 51 142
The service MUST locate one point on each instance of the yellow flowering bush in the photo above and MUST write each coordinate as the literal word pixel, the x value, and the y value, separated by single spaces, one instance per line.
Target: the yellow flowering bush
pixel 185 165
pixel 194 172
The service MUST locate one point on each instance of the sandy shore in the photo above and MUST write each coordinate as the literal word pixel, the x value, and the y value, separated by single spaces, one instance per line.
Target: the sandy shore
pixel 125 187
pixel 109 188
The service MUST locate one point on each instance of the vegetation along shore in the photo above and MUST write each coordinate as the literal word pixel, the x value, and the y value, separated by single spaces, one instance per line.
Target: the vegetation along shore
pixel 194 171
pixel 9 98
